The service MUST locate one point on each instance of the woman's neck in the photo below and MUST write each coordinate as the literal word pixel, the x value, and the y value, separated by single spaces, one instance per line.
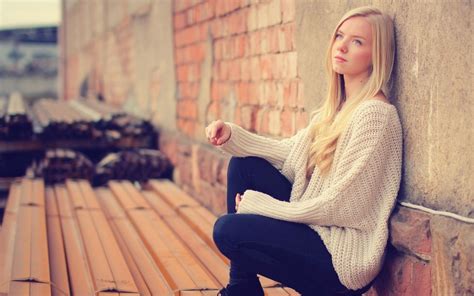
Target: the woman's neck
pixel 352 85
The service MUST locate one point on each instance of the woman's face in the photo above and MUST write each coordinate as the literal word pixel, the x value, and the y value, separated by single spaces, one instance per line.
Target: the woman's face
pixel 353 43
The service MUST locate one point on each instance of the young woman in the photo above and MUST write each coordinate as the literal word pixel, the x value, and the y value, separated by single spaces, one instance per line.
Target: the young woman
pixel 311 211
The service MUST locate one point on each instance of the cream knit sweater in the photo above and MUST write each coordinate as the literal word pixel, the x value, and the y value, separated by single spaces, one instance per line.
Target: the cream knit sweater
pixel 351 206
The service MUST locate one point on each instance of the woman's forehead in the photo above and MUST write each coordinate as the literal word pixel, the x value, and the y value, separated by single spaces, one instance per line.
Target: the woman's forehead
pixel 357 26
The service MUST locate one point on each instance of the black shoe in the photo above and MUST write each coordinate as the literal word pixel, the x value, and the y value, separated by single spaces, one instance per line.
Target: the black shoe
pixel 241 290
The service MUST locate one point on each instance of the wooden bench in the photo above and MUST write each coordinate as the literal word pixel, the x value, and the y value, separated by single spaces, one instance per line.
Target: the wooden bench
pixel 72 239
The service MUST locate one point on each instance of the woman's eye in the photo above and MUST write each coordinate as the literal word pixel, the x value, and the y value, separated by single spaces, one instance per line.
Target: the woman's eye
pixel 358 42
pixel 338 35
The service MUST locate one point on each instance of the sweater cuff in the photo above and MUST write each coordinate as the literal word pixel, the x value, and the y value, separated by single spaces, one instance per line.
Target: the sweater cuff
pixel 255 202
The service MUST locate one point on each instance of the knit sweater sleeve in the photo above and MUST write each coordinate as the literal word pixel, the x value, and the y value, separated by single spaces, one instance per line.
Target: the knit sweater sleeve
pixel 358 183
pixel 243 143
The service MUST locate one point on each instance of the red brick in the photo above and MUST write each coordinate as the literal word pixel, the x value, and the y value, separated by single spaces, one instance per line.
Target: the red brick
pixel 288 10
pixel 273 45
pixel 255 68
pixel 286 37
pixel 216 28
pixel 254 43
pixel 203 32
pixel 182 73
pixel 198 52
pixel 223 70
pixel 248 116
pixel 179 21
pixel 290 93
pixel 274 13
pixel 264 41
pixel 191 16
pixel 243 93
pixel 266 66
pixel 300 98
pixel 292 65
pixel 253 92
pixel 187 108
pixel 234 70
pixel 219 49
pixel 410 230
pixel 262 16
pixel 242 44
pixel 252 19
pixel 403 275
pixel 274 126
pixel 301 120
pixel 287 122
pixel 245 69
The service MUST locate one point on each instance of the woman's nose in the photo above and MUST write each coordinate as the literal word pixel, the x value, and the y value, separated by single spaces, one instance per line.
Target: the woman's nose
pixel 342 47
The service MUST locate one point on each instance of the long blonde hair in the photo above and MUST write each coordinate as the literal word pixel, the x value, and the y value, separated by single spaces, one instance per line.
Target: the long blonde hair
pixel 326 131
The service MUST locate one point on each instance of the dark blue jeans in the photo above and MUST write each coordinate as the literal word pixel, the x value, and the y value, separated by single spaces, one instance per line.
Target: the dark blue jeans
pixel 290 253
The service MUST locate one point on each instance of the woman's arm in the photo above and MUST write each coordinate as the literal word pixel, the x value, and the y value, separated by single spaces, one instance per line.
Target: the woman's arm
pixel 243 143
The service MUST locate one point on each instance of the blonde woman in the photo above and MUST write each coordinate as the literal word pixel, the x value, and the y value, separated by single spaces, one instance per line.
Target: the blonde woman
pixel 312 211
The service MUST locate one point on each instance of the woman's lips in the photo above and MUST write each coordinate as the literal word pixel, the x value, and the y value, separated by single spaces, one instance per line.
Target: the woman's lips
pixel 339 59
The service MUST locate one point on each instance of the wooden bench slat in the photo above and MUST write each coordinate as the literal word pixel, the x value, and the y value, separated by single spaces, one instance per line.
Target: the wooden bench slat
pixel 167 189
pixel 201 250
pixel 277 291
pixel 158 204
pixel 8 234
pixel 127 200
pixel 39 237
pixel 174 273
pixel 78 268
pixel 134 251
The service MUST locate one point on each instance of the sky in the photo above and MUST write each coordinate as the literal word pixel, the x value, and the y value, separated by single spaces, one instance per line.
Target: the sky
pixel 29 13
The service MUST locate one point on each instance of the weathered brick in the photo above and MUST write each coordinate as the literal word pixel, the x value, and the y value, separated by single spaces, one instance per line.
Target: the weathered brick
pixel 255 68
pixel 290 93
pixel 252 19
pixel 179 21
pixel 287 122
pixel 266 66
pixel 274 125
pixel 302 119
pixel 288 10
pixel 410 231
pixel 234 70
pixel 262 16
pixel 292 64
pixel 403 275
pixel 274 13
pixel 452 256
pixel 245 69
pixel 254 41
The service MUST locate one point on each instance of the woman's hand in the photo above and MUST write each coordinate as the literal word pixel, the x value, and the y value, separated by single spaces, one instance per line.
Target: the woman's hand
pixel 218 132
pixel 237 201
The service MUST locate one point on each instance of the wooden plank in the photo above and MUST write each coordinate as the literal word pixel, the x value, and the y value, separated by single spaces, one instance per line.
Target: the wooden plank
pixel 158 204
pixel 81 194
pixel 173 195
pixel 275 292
pixel 172 270
pixel 134 195
pixel 126 200
pixel 101 274
pixel 111 207
pixel 7 243
pixel 39 238
pixel 120 271
pixel 59 275
pixel 133 245
pixel 212 261
pixel 291 292
pixel 78 268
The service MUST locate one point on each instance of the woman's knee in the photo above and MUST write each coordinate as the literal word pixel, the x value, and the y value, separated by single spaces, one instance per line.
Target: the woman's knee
pixel 223 231
pixel 239 164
